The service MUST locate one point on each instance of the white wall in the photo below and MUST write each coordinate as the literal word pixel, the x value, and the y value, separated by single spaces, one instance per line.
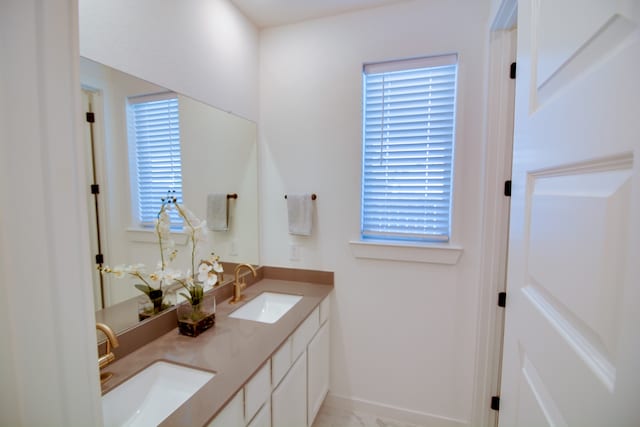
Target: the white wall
pixel 403 333
pixel 220 155
pixel 205 49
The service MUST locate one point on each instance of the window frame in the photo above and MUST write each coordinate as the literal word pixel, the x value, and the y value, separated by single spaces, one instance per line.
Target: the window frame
pixel 137 221
pixel 408 240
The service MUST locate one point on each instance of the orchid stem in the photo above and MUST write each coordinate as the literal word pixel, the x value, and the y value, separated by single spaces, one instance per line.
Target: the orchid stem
pixel 192 232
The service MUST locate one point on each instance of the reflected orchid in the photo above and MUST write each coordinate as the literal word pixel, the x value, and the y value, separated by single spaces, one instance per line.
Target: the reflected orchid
pixel 206 275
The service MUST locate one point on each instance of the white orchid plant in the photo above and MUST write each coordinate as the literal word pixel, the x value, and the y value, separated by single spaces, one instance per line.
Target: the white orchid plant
pixel 208 269
pixel 153 283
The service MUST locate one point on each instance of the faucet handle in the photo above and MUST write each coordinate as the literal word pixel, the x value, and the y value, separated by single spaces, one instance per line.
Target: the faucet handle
pixel 239 284
pixel 239 267
pixel 108 357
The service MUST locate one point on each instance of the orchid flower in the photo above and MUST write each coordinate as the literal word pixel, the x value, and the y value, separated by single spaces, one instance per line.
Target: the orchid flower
pixel 208 271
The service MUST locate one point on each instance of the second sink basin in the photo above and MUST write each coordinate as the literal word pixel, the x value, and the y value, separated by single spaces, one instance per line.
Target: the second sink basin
pixel 151 395
pixel 267 307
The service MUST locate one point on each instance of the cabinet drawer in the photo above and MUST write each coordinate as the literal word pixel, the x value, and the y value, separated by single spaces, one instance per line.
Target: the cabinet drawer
pixel 281 362
pixel 257 391
pixel 304 333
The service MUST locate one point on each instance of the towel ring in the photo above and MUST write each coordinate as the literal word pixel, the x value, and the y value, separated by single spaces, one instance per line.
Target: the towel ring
pixel 313 196
pixel 232 196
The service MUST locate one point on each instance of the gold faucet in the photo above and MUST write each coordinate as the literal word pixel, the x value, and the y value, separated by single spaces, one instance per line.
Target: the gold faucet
pixel 108 357
pixel 239 284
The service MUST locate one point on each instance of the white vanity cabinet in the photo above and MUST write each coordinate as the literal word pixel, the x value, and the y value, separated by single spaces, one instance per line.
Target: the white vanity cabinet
pixel 317 371
pixel 305 332
pixel 231 415
pixel 281 362
pixel 289 399
pixel 263 418
pixel 257 391
pixel 290 387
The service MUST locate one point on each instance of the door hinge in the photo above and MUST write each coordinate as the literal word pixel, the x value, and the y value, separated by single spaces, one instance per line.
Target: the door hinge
pixel 495 403
pixel 512 70
pixel 99 259
pixel 507 188
pixel 91 117
pixel 95 189
pixel 502 299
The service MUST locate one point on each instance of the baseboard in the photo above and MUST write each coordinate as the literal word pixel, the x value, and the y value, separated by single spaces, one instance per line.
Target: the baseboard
pixel 392 412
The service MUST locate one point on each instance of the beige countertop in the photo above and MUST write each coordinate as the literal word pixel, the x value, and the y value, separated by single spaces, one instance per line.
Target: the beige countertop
pixel 234 349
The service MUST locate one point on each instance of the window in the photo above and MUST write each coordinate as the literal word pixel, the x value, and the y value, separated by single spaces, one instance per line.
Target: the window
pixel 154 132
pixel 408 140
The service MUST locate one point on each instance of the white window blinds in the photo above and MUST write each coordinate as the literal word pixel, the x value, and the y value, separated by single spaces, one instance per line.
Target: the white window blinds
pixel 154 127
pixel 408 139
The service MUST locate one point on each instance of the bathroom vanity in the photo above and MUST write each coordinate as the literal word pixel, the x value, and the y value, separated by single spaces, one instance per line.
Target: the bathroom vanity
pixel 266 374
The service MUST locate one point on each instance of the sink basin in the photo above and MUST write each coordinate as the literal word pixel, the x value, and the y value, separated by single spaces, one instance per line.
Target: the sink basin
pixel 267 307
pixel 151 395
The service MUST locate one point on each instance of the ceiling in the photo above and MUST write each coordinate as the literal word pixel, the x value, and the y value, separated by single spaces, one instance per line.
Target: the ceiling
pixel 271 13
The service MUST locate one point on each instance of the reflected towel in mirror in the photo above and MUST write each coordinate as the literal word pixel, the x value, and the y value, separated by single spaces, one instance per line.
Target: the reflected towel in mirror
pixel 299 208
pixel 218 212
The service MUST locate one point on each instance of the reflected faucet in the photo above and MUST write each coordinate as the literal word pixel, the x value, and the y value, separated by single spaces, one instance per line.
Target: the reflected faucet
pixel 108 357
pixel 239 284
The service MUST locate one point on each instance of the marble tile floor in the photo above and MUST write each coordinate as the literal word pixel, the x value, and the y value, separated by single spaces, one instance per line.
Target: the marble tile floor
pixel 338 417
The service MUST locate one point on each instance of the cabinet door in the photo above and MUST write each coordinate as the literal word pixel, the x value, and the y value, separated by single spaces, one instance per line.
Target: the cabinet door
pixel 263 418
pixel 231 415
pixel 304 333
pixel 257 390
pixel 318 371
pixel 289 399
pixel 281 362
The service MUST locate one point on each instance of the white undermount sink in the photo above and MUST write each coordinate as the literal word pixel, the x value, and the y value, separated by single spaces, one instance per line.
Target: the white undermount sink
pixel 267 307
pixel 151 395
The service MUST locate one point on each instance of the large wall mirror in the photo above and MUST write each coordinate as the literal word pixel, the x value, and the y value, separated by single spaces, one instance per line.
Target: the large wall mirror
pixel 218 154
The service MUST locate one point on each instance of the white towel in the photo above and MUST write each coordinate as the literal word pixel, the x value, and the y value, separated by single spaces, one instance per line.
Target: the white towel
pixel 299 207
pixel 217 212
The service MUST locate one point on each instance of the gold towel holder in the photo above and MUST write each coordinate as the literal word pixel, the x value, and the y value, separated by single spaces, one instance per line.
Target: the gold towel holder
pixel 313 196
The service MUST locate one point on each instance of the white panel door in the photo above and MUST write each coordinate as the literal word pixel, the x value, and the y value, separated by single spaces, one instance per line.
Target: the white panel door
pixel 572 334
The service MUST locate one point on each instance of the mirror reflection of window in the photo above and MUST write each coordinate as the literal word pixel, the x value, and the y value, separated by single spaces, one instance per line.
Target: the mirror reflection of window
pixel 218 154
pixel 154 140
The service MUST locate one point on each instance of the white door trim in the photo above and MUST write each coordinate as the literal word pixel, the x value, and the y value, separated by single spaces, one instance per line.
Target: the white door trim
pixel 495 228
pixel 506 16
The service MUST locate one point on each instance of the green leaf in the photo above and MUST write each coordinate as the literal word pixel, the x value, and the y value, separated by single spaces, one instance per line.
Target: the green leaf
pixel 188 297
pixel 143 288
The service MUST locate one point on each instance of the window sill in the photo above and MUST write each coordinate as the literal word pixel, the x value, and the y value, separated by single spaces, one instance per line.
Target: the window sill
pixel 148 235
pixel 433 253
